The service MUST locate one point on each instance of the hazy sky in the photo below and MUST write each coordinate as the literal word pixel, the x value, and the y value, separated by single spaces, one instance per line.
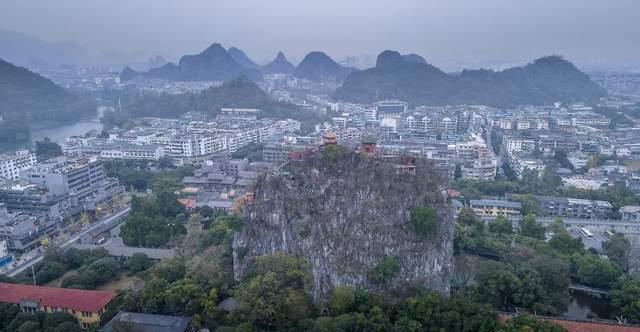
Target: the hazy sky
pixel 445 32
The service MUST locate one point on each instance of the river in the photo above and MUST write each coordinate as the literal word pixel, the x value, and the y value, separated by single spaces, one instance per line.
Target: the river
pixel 58 132
pixel 583 306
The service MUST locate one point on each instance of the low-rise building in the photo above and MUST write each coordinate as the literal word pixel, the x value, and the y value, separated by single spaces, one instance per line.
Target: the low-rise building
pixel 86 305
pixel 574 207
pixel 148 323
pixel 492 207
pixel 630 213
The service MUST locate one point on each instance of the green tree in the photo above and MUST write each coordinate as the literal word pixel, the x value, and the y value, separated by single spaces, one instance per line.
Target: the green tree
pixel 385 270
pixel 46 149
pixel 529 205
pixel 501 225
pixel 7 313
pixel 29 326
pixel 562 241
pixel 172 269
pixel 139 262
pixel 68 327
pixel 274 292
pixel 342 300
pixel 594 271
pixel 529 324
pixel 424 220
pixel 531 228
pixel 625 298
pixel 617 248
pixel 467 217
pixel 184 297
pixel 434 313
pixel 498 284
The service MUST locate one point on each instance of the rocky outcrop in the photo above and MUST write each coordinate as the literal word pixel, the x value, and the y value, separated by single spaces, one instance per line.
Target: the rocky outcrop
pixel 346 216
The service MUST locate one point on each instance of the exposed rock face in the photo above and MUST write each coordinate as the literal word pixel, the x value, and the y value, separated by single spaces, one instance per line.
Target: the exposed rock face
pixel 346 216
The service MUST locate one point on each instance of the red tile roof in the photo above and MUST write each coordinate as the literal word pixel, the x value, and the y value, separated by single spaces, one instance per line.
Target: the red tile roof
pixel 73 299
pixel 584 326
pixel 189 203
pixel 573 326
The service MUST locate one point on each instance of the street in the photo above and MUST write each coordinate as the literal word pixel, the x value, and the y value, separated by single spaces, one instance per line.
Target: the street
pixel 37 255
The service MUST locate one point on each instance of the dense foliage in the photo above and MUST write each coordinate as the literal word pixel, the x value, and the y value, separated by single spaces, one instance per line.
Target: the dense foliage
pixel 138 175
pixel 154 221
pixel 46 149
pixel 13 320
pixel 385 270
pixel 524 270
pixel 91 268
pixel 424 220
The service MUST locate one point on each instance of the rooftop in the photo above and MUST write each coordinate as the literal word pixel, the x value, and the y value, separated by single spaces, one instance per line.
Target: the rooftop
pixel 149 322
pixel 495 202
pixel 74 299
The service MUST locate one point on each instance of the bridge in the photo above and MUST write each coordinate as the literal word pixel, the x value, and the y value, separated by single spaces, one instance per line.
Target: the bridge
pixel 597 292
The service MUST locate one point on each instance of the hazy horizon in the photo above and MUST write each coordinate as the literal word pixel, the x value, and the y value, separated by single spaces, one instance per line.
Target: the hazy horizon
pixel 455 34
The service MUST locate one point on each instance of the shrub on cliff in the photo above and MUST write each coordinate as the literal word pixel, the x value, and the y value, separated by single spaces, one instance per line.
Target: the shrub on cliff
pixel 424 220
pixel 385 271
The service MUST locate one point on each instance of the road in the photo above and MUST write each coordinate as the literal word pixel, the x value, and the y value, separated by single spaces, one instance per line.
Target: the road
pixel 73 239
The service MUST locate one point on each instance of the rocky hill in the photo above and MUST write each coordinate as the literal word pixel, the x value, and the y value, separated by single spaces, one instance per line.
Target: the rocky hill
pixel 279 65
pixel 349 215
pixel 317 66
pixel 27 95
pixel 212 64
pixel 242 58
pixel 409 78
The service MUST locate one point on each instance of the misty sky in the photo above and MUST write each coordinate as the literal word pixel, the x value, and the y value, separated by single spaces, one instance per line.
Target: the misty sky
pixel 448 33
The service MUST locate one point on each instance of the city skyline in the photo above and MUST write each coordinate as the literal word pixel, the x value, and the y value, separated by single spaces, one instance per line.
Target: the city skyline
pixel 452 35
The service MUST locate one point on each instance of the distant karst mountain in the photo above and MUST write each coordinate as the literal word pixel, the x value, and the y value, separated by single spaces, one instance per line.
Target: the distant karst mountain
pixel 414 58
pixel 26 97
pixel 544 81
pixel 279 65
pixel 157 61
pixel 30 51
pixel 212 64
pixel 317 66
pixel 241 58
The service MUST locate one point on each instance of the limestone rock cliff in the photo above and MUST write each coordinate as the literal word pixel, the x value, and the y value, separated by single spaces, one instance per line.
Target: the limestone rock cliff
pixel 346 215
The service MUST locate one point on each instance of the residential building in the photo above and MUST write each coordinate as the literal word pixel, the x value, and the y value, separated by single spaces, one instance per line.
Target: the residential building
pixel 125 151
pixel 391 108
pixel 21 231
pixel 87 306
pixel 574 207
pixel 492 207
pixel 12 165
pixel 630 213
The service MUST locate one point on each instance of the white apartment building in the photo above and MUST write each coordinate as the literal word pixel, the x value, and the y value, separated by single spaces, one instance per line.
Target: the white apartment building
pixel 510 145
pixel 12 165
pixel 521 163
pixel 133 152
